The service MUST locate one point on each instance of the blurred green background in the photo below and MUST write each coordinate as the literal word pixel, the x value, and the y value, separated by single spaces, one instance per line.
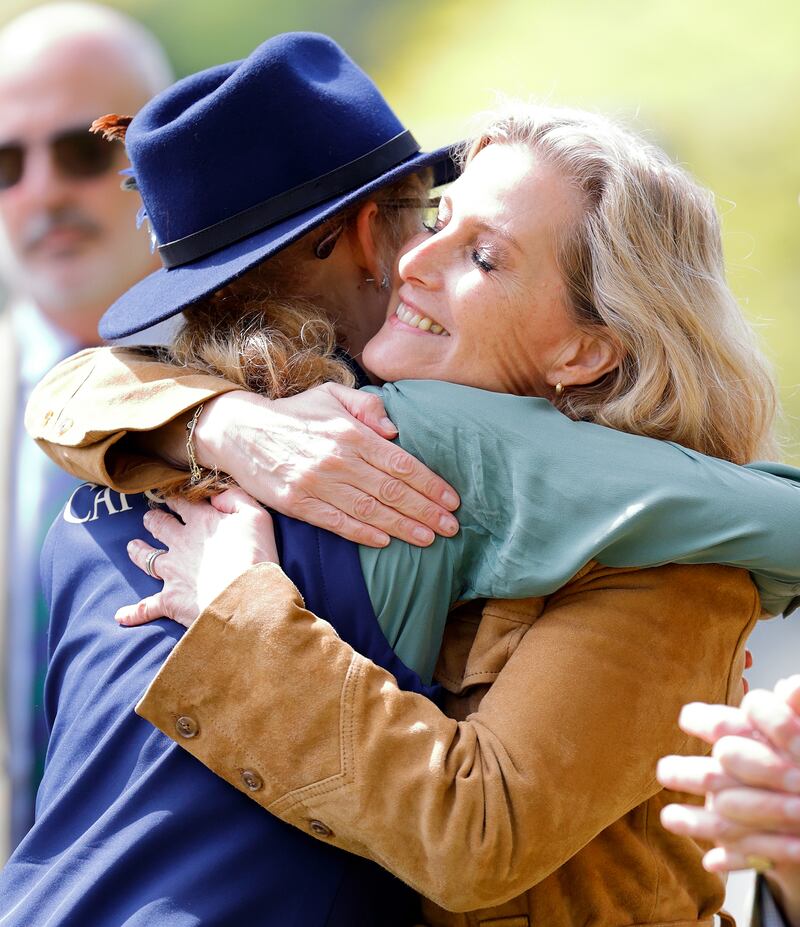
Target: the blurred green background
pixel 717 84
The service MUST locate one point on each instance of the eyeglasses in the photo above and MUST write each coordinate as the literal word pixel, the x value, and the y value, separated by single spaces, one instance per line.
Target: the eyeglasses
pixel 429 210
pixel 76 154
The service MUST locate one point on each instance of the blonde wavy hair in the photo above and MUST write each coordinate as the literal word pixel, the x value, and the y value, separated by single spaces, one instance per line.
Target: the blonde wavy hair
pixel 262 334
pixel 644 263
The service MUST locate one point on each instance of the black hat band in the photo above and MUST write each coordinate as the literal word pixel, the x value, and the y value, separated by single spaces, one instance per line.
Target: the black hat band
pixel 254 219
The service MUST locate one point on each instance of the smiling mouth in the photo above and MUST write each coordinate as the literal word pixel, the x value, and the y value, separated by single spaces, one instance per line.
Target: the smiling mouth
pixel 415 320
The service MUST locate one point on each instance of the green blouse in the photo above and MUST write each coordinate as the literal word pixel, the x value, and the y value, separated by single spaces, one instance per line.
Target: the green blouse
pixel 542 495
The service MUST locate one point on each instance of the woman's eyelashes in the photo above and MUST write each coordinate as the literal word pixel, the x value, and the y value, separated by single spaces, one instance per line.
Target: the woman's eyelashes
pixel 482 258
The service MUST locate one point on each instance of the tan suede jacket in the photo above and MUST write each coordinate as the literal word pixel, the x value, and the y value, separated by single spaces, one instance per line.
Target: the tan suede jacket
pixel 532 801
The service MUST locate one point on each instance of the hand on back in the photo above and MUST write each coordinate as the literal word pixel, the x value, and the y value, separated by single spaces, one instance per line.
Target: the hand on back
pixel 204 551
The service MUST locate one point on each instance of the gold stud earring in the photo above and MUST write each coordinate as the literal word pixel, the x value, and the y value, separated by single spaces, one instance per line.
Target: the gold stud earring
pixel 559 389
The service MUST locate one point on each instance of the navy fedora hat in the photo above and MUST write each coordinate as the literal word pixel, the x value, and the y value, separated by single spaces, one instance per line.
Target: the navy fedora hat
pixel 236 162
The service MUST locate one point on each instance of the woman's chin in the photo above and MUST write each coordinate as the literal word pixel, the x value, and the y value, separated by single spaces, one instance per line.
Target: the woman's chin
pixel 393 356
pixel 386 370
pixel 384 360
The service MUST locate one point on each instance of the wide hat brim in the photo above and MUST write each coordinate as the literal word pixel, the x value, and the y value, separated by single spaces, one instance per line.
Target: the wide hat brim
pixel 165 293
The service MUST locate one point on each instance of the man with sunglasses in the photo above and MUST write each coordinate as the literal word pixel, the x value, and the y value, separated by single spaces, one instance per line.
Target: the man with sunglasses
pixel 68 248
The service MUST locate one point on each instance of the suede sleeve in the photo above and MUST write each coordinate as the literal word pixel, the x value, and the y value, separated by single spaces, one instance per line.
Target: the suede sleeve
pixel 469 813
pixel 82 410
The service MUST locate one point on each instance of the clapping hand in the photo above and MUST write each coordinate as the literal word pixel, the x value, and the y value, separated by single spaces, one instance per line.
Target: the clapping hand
pixel 751 785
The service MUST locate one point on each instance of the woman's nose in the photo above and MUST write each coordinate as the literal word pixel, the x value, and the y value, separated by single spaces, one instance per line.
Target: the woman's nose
pixel 417 261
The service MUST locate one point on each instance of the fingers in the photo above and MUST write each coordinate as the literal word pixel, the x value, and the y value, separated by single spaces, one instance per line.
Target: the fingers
pixel 397 463
pixel 710 722
pixel 769 714
pixel 371 486
pixel 390 505
pixel 744 853
pixel 323 515
pixel 694 774
pixel 759 809
pixel 148 609
pixel 182 506
pixel 234 500
pixel 229 502
pixel 366 508
pixel 751 782
pixel 369 410
pixel 737 841
pixel 757 764
pixel 139 551
pixel 700 823
pixel 789 691
pixel 190 511
pixel 163 526
pixel 321 457
pixel 366 407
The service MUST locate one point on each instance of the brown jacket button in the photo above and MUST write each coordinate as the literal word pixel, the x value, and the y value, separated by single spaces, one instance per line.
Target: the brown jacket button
pixel 320 829
pixel 187 727
pixel 252 780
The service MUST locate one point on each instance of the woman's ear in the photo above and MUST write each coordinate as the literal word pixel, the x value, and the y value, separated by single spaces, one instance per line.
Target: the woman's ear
pixel 364 241
pixel 587 358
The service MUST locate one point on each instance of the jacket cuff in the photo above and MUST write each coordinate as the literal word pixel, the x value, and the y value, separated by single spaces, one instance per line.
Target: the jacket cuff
pixel 102 393
pixel 211 671
pixel 108 463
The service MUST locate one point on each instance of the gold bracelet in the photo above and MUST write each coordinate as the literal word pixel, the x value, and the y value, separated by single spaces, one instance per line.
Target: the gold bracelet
pixel 195 470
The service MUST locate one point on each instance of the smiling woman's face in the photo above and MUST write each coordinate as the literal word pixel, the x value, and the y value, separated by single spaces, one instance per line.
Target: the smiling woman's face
pixel 480 300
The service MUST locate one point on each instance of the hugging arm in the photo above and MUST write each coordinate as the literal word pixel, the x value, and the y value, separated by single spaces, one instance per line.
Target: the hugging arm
pixel 86 407
pixel 322 456
pixel 548 495
pixel 647 502
pixel 472 812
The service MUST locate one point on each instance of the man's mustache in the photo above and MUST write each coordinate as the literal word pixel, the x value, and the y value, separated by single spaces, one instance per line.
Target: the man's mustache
pixel 67 217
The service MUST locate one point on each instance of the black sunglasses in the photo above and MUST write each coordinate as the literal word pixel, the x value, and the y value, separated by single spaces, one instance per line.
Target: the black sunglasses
pixel 428 209
pixel 76 153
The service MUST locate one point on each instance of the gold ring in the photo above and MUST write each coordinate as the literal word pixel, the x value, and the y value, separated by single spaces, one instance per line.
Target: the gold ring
pixel 759 863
